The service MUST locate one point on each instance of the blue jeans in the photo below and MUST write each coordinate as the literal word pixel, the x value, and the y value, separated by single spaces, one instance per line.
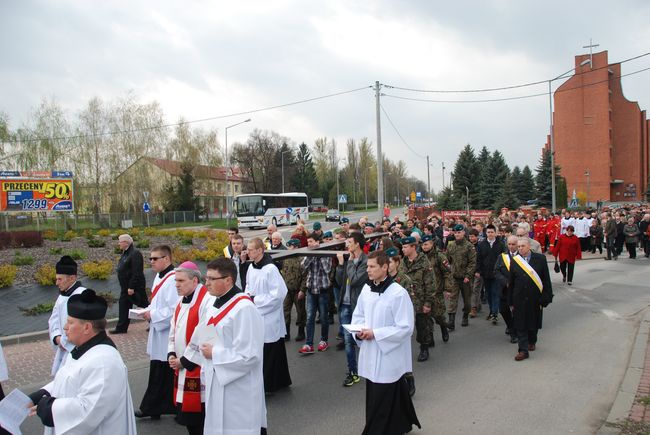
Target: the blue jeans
pixel 337 302
pixel 345 316
pixel 494 296
pixel 314 302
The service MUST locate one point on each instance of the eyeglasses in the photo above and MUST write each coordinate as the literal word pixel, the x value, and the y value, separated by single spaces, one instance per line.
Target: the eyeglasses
pixel 156 258
pixel 215 278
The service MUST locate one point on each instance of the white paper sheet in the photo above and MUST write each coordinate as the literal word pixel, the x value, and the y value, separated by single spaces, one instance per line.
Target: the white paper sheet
pixel 13 411
pixel 353 329
pixel 137 313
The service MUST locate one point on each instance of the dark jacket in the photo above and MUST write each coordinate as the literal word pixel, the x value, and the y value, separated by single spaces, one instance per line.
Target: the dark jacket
pixel 356 273
pixel 130 271
pixel 502 275
pixel 486 257
pixel 525 297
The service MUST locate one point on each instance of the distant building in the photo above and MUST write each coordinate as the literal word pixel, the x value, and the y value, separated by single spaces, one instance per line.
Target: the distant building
pixel 154 175
pixel 601 138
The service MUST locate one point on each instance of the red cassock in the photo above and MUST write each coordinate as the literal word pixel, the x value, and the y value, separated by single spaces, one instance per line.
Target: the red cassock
pixel 540 231
pixel 568 248
pixel 553 230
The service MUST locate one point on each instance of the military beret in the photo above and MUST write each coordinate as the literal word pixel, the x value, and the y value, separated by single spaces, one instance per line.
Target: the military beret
pixel 459 227
pixel 293 242
pixel 392 252
pixel 370 224
pixel 316 226
pixel 345 220
pixel 408 241
pixel 327 234
pixel 426 238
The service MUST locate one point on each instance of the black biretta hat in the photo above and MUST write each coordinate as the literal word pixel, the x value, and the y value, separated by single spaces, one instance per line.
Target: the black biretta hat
pixel 87 306
pixel 66 266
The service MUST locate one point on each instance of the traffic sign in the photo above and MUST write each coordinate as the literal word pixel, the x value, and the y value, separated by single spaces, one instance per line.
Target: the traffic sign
pixel 418 195
pixel 146 208
pixel 343 199
pixel 413 196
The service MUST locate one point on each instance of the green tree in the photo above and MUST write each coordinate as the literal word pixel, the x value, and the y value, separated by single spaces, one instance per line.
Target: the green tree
pixel 482 177
pixel 495 175
pixel 464 174
pixel 179 194
pixel 304 178
pixel 562 193
pixel 507 196
pixel 526 187
pixel 447 201
pixel 543 189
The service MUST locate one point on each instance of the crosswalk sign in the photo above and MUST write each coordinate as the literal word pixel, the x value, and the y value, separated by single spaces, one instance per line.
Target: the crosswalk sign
pixel 343 199
pixel 146 208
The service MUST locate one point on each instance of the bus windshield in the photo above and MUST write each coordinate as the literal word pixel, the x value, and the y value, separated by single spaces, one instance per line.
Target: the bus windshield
pixel 250 206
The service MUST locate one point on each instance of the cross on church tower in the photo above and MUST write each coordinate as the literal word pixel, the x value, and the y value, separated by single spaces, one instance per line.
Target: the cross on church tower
pixel 591 46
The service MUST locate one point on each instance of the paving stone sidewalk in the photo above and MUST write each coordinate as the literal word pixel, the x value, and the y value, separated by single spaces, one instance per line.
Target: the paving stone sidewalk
pixel 641 408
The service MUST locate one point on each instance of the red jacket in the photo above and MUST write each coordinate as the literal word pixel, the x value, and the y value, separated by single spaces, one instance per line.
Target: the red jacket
pixel 568 249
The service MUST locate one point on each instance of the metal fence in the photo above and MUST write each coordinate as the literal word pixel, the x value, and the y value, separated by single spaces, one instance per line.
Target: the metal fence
pixel 74 221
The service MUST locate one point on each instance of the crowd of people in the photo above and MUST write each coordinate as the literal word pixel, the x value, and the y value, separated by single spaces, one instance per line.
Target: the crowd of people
pixel 218 339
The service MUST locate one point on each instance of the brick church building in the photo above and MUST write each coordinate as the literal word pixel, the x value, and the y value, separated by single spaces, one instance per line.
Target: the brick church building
pixel 601 138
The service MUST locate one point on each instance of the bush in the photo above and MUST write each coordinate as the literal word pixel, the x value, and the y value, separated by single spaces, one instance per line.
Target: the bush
pixel 117 250
pixel 187 242
pixel 206 255
pixel 76 254
pixel 180 255
pixel 37 309
pixel 152 232
pixel 110 298
pixel 104 233
pixel 88 233
pixel 98 269
pixel 50 235
pixel 96 243
pixel 22 260
pixel 142 244
pixel 20 239
pixel 56 251
pixel 217 245
pixel 7 275
pixel 69 235
pixel 5 239
pixel 46 275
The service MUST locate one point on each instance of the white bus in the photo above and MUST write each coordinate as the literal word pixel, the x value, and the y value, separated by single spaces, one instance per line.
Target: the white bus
pixel 262 209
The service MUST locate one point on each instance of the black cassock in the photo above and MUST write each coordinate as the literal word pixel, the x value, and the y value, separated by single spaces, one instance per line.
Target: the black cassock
pixel 525 295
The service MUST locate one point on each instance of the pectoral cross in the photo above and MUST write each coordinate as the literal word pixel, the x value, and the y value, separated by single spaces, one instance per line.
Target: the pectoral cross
pixel 591 46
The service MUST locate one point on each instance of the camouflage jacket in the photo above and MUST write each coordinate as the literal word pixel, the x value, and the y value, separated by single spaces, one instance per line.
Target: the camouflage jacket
pixel 462 257
pixel 292 273
pixel 441 269
pixel 403 279
pixel 422 287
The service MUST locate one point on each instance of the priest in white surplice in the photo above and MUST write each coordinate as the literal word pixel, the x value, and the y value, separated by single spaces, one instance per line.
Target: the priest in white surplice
pixel 385 311
pixel 158 398
pixel 230 340
pixel 90 394
pixel 66 281
pixel 267 288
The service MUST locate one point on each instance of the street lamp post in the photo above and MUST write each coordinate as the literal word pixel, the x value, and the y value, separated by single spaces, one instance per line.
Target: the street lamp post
pixel 338 204
pixel 443 175
pixel 282 153
pixel 552 136
pixel 587 174
pixel 467 198
pixel 228 171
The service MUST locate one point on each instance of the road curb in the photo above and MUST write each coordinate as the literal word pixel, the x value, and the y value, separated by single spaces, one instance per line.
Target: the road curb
pixel 30 337
pixel 624 401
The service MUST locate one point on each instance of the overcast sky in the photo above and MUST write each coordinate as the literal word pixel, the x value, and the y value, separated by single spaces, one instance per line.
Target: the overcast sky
pixel 208 58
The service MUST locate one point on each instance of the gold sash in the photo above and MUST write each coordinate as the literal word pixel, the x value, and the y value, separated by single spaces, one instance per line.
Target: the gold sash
pixel 530 272
pixel 506 260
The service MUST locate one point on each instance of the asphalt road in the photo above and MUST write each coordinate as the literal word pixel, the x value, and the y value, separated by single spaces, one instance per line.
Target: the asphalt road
pixel 472 384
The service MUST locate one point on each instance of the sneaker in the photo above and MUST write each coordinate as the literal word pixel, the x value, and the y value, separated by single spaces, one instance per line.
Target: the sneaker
pixel 351 379
pixel 306 350
pixel 495 319
pixel 322 346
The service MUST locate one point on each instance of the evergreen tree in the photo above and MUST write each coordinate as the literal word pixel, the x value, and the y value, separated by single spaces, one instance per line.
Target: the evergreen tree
pixel 516 181
pixel 562 195
pixel 465 171
pixel 507 196
pixel 496 174
pixel 543 184
pixel 527 186
pixel 179 195
pixel 304 179
pixel 447 201
pixel 482 177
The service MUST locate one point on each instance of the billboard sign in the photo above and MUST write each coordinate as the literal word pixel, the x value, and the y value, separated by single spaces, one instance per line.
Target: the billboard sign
pixel 29 191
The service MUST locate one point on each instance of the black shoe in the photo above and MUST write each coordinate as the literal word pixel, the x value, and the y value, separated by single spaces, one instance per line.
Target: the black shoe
pixel 508 331
pixel 410 382
pixel 140 414
pixel 340 345
pixel 513 339
pixel 301 334
pixel 569 283
pixel 465 321
pixel 318 319
pixel 445 333
pixel 331 319
pixel 116 331
pixel 287 337
pixel 563 278
pixel 495 319
pixel 424 353
pixel 451 324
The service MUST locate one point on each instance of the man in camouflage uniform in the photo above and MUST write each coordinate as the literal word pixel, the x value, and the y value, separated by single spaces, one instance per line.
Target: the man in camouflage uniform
pixel 442 275
pixel 293 277
pixel 462 257
pixel 418 268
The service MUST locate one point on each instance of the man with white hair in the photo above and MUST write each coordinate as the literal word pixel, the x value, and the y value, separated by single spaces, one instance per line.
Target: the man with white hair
pixel 130 273
pixel 268 240
pixel 534 244
pixel 277 242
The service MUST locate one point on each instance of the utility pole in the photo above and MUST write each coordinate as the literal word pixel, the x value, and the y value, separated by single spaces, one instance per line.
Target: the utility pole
pixel 380 162
pixel 443 175
pixel 428 179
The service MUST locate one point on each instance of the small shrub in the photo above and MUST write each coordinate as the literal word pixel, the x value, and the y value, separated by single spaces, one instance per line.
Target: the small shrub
pixel 206 255
pixel 50 235
pixel 7 275
pixel 56 251
pixel 110 298
pixel 181 255
pixel 46 275
pixel 5 239
pixel 96 243
pixel 216 245
pixel 22 260
pixel 88 233
pixel 187 242
pixel 117 250
pixel 98 269
pixel 114 236
pixel 26 239
pixel 104 233
pixel 134 232
pixel 37 309
pixel 76 254
pixel 69 235
pixel 151 232
pixel 142 244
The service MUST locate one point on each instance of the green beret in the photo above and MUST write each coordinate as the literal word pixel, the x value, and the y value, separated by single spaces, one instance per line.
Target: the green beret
pixel 316 226
pixel 293 242
pixel 408 241
pixel 392 252
pixel 345 220
pixel 459 227
pixel 426 238
pixel 327 234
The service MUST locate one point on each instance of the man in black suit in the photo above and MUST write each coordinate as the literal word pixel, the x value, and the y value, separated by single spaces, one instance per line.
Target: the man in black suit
pixel 531 287
pixel 502 278
pixel 487 254
pixel 130 274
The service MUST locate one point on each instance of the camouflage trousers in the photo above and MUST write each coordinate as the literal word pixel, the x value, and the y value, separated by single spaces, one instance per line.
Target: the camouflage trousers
pixel 289 301
pixel 477 286
pixel 438 308
pixel 460 287
pixel 424 328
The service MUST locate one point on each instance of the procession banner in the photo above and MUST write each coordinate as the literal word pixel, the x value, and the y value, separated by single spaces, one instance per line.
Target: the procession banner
pixel 473 214
pixel 25 192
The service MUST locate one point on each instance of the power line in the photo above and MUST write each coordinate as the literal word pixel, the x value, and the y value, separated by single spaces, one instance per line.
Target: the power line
pixel 399 134
pixel 504 88
pixel 521 97
pixel 212 118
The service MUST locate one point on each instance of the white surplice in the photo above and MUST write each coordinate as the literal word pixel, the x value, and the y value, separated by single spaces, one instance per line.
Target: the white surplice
pixel 92 395
pixel 234 381
pixel 161 310
pixel 268 289
pixel 564 223
pixel 4 373
pixel 57 321
pixel 390 316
